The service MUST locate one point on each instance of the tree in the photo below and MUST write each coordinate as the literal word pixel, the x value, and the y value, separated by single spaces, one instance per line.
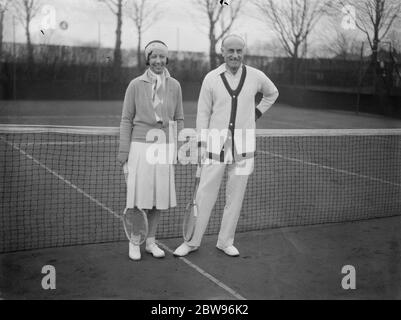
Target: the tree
pixel 143 13
pixel 375 19
pixel 3 8
pixel 292 21
pixel 395 38
pixel 25 11
pixel 220 18
pixel 343 46
pixel 116 7
pixel 269 48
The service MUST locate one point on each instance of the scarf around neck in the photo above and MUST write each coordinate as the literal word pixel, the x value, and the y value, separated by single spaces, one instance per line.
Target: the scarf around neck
pixel 158 90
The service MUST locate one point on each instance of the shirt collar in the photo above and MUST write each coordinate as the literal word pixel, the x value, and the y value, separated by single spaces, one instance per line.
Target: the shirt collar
pixel 145 76
pixel 223 68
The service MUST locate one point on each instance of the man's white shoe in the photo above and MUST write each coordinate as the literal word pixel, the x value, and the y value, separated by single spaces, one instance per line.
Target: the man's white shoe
pixel 230 251
pixel 134 252
pixel 184 249
pixel 155 250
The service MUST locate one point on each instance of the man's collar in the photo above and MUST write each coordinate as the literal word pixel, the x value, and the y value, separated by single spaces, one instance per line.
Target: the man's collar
pixel 145 75
pixel 223 68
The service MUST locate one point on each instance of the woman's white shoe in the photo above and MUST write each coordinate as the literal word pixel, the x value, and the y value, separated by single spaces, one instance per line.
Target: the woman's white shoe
pixel 154 250
pixel 134 252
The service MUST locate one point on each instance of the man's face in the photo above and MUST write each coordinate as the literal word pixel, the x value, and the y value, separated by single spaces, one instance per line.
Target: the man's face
pixel 233 52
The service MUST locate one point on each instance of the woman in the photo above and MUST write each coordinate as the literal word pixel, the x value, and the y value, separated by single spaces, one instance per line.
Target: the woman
pixel 152 102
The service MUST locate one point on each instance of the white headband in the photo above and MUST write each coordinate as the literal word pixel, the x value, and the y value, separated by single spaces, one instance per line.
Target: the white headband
pixel 156 46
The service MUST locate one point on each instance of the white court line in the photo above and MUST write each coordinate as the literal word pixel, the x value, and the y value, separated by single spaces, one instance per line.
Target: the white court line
pixel 79 190
pixel 330 168
pixel 205 274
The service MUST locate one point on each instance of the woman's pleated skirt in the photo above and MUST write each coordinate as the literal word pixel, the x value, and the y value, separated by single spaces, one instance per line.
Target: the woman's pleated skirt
pixel 150 179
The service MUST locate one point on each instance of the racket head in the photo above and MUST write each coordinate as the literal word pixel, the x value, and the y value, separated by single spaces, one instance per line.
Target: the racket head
pixel 189 222
pixel 135 223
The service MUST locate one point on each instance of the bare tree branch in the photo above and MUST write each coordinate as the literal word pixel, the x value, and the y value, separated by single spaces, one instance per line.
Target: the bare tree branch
pixel 234 11
pixel 116 7
pixel 3 8
pixel 25 11
pixel 143 13
pixel 374 17
pixel 344 46
pixel 221 19
pixel 292 22
pixel 4 5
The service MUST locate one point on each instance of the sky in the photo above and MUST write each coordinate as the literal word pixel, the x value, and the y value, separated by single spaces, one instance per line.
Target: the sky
pixel 181 26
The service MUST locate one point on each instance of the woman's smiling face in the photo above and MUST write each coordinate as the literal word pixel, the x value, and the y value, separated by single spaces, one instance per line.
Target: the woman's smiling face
pixel 157 61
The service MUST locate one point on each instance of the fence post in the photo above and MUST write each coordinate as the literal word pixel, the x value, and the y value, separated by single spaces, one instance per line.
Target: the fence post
pixel 360 79
pixel 14 64
pixel 99 63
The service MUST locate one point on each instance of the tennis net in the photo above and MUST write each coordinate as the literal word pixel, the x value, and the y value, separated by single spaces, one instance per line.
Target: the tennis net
pixel 62 186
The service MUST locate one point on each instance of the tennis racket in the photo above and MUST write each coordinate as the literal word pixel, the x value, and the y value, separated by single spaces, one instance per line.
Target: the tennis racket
pixel 191 211
pixel 135 221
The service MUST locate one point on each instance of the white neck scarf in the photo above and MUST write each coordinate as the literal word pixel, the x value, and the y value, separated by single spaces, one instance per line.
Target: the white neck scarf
pixel 158 89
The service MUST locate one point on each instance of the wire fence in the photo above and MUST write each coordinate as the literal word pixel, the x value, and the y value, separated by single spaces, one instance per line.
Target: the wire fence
pixel 61 68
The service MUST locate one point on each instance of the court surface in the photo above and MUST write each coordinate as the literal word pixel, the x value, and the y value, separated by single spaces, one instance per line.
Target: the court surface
pixel 283 263
pixel 288 263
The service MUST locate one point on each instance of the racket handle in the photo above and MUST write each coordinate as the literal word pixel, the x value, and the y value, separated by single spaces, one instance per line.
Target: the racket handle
pixel 198 171
pixel 195 211
pixel 201 154
pixel 125 169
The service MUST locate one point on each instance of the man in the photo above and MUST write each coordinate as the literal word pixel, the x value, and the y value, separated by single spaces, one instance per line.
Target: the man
pixel 227 106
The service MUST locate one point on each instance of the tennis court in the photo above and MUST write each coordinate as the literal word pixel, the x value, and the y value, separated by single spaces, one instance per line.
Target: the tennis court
pixel 293 263
pixel 317 200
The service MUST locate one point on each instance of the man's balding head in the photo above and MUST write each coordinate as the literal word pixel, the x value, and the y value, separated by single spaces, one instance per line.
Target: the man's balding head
pixel 233 39
pixel 233 49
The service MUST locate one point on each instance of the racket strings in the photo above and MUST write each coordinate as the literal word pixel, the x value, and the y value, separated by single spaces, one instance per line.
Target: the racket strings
pixel 135 225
